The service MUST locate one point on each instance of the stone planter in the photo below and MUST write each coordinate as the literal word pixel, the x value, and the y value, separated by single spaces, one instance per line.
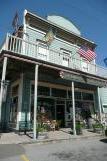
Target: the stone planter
pixel 97 130
pixel 42 135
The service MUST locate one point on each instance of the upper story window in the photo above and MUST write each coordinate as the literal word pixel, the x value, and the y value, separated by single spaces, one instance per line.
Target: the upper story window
pixel 65 57
pixel 42 50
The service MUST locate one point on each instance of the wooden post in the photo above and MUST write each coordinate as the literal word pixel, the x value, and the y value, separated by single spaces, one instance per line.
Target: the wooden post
pixel 73 107
pixel 99 104
pixel 2 83
pixel 35 102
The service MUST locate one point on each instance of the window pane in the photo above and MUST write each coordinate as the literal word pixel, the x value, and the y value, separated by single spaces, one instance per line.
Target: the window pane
pixel 43 91
pixel 58 93
pixel 87 96
pixel 77 95
pixel 15 90
pixel 69 94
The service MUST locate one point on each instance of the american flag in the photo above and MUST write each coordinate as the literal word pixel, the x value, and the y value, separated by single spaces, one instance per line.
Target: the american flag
pixel 91 55
pixel 87 54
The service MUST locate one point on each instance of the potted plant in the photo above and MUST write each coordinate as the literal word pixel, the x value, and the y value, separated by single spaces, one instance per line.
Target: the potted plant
pixel 41 131
pixel 78 128
pixel 97 127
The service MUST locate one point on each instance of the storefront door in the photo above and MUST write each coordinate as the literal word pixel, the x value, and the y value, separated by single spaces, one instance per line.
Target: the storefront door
pixel 60 115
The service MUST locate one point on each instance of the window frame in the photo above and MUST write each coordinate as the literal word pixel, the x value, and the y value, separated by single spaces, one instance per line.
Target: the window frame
pixel 43 45
pixel 66 55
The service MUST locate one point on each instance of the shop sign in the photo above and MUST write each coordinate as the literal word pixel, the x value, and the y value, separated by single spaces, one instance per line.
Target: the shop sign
pixel 82 78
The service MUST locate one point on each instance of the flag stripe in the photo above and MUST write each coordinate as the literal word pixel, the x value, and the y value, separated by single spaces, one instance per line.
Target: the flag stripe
pixel 82 53
pixel 89 54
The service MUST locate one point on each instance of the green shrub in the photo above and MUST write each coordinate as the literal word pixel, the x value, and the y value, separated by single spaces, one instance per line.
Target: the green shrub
pixel 97 125
pixel 41 127
pixel 79 127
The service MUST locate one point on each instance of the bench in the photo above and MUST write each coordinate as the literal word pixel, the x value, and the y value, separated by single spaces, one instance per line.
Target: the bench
pixel 25 126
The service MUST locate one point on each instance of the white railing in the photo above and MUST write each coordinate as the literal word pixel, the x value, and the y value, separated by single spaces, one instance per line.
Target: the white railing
pixel 22 47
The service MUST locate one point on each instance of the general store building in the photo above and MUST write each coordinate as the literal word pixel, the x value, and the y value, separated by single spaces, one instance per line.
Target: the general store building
pixel 42 71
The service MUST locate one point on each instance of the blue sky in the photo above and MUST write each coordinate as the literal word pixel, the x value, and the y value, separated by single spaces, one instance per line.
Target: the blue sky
pixel 90 16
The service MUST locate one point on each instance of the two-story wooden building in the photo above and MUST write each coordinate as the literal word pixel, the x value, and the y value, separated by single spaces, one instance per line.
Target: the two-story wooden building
pixel 42 72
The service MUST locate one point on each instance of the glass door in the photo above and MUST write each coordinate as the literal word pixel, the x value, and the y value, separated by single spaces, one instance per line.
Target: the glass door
pixel 60 112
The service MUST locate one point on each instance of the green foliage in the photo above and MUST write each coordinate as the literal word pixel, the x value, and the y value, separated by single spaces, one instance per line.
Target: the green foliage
pixel 97 125
pixel 41 127
pixel 79 127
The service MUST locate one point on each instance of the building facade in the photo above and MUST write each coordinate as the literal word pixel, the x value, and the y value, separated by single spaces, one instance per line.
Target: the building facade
pixel 42 72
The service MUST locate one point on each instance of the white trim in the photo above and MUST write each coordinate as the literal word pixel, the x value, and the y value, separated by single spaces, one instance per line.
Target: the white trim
pixel 35 103
pixel 99 103
pixel 104 104
pixel 3 79
pixel 58 86
pixel 73 108
pixel 29 116
pixel 24 24
pixel 56 25
pixel 45 84
pixel 30 100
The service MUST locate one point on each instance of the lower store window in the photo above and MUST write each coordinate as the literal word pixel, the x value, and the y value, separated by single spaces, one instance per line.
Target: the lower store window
pixel 14 105
pixel 59 93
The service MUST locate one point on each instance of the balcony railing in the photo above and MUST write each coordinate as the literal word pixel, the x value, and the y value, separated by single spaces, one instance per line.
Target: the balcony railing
pixel 23 47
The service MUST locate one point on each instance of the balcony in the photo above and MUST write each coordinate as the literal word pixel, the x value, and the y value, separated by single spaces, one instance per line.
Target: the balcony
pixel 22 47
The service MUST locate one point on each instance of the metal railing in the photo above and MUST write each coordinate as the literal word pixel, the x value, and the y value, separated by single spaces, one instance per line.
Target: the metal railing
pixel 23 47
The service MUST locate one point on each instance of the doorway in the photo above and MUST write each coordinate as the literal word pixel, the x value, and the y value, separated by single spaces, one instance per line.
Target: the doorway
pixel 60 114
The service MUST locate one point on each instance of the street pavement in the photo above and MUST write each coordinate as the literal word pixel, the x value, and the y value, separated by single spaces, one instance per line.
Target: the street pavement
pixel 90 149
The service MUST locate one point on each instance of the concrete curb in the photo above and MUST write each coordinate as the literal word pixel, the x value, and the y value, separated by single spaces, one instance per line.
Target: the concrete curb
pixel 46 141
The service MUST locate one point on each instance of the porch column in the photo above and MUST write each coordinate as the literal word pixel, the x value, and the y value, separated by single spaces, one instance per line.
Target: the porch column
pixel 73 106
pixel 2 83
pixel 35 101
pixel 20 93
pixel 99 103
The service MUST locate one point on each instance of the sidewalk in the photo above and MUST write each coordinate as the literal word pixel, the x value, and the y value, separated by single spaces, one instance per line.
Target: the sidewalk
pixel 63 134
